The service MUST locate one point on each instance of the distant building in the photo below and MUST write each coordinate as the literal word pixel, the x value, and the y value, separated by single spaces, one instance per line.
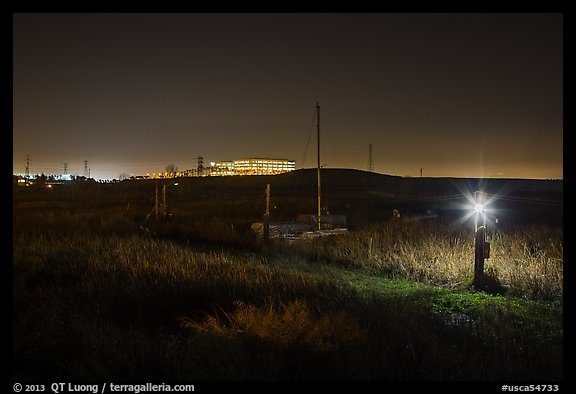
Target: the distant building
pixel 222 168
pixel 252 167
pixel 236 167
pixel 18 180
pixel 263 166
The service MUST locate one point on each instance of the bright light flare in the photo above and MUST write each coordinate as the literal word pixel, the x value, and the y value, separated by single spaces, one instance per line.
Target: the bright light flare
pixel 479 208
pixel 477 211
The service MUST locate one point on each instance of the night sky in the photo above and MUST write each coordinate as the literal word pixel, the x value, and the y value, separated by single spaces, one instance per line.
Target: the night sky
pixel 459 95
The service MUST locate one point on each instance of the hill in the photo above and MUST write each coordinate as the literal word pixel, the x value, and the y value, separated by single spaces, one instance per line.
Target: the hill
pixel 360 195
pixel 350 183
pixel 366 196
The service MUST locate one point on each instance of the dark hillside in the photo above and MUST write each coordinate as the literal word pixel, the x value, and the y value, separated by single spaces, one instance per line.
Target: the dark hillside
pixel 347 183
pixel 360 195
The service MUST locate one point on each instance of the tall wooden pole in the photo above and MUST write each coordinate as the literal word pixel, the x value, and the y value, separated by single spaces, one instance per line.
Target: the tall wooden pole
pixel 319 193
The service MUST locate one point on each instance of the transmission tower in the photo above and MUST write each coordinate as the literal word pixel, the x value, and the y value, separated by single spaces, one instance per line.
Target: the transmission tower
pixel 86 170
pixel 200 165
pixel 370 161
pixel 27 166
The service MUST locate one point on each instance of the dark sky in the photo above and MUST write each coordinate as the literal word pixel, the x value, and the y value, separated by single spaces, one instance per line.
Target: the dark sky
pixel 459 95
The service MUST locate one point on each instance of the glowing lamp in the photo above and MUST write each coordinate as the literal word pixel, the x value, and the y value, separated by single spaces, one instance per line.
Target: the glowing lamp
pixel 479 208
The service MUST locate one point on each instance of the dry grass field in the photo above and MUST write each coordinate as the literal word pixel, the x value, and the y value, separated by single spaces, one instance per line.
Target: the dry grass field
pixel 102 292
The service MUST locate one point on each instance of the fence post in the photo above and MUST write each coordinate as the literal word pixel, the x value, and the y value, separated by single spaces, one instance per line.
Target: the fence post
pixel 156 203
pixel 164 207
pixel 266 229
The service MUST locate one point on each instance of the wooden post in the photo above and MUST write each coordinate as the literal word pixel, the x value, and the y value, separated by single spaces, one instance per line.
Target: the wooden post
pixel 479 253
pixel 164 210
pixel 156 203
pixel 266 229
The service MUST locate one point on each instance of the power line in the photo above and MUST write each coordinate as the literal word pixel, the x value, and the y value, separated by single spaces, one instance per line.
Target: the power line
pixel 530 200
pixel 309 135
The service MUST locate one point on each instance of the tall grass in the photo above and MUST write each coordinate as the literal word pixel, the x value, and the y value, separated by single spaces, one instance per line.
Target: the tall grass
pixel 530 260
pixel 526 260
pixel 63 286
pixel 97 298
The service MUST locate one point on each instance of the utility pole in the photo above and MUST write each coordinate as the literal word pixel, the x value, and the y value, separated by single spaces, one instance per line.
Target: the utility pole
pixel 319 193
pixel 421 169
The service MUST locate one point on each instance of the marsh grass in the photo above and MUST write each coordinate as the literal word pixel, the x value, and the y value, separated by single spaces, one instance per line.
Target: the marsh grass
pixel 97 298
pixel 292 326
pixel 525 261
